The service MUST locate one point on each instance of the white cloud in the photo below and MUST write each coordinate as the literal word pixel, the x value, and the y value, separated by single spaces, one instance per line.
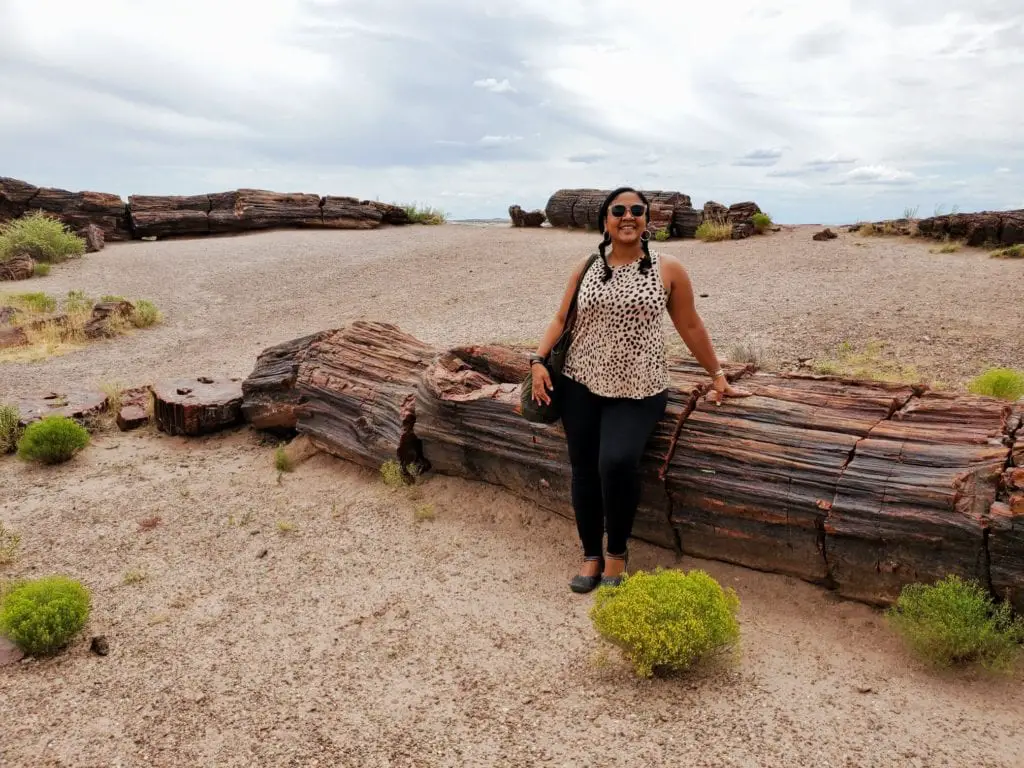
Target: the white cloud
pixel 493 85
pixel 497 141
pixel 878 174
pixel 759 157
pixel 1003 170
pixel 588 158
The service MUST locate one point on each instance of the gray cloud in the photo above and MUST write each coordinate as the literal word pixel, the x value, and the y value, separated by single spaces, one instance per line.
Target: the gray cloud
pixel 759 157
pixel 588 158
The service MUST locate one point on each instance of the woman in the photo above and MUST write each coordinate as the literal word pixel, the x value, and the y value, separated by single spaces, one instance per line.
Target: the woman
pixel 615 377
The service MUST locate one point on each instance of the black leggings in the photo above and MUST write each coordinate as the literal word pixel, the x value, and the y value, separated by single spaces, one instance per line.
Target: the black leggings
pixel 606 439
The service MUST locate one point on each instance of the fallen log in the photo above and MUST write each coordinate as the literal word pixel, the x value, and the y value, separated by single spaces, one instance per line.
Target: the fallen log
pixel 860 486
pixel 18 267
pixel 196 406
pixel 992 228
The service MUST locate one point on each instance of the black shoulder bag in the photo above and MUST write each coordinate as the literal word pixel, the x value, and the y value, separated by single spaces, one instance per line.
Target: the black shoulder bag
pixel 549 413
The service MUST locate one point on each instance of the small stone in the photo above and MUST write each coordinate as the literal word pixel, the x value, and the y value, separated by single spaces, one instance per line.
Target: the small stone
pixel 9 652
pixel 262 554
pixel 100 646
pixel 864 689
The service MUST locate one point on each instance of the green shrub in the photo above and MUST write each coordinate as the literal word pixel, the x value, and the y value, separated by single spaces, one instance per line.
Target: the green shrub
pixel 43 615
pixel 661 235
pixel 282 461
pixel 145 314
pixel 38 303
pixel 52 440
pixel 999 382
pixel 667 620
pixel 761 222
pixel 10 428
pixel 41 269
pixel 42 237
pixel 9 543
pixel 426 215
pixel 956 622
pixel 78 302
pixel 714 231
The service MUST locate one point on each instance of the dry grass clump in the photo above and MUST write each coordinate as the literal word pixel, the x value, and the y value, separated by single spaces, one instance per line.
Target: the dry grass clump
pixel 869 363
pixel 714 231
pixel 40 236
pixel 1013 252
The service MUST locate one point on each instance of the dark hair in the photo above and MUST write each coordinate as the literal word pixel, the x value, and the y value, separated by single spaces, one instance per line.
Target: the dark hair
pixel 645 262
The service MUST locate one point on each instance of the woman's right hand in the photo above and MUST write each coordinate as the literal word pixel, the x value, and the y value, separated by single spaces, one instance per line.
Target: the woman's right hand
pixel 541 384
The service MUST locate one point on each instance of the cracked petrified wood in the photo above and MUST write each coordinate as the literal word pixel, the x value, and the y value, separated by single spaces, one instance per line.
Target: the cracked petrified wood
pixel 860 486
pixel 196 406
pixel 18 267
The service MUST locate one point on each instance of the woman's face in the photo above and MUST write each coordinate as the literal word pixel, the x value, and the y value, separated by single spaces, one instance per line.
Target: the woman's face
pixel 627 218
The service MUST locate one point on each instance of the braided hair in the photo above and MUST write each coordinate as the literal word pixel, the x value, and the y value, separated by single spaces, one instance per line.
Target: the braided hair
pixel 645 262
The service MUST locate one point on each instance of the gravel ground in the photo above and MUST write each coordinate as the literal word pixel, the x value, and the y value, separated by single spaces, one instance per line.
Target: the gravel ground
pixel 226 299
pixel 312 621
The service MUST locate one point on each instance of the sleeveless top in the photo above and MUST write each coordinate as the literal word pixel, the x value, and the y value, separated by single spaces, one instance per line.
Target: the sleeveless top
pixel 618 345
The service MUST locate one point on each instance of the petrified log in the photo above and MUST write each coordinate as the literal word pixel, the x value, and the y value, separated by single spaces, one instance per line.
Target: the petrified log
pixel 825 234
pixel 107 317
pixel 976 229
pixel 13 337
pixel 578 208
pixel 685 221
pixel 15 196
pixel 351 390
pixel 93 236
pixel 246 209
pixel 715 212
pixel 741 213
pixel 162 215
pixel 349 213
pixel 861 486
pixel 390 214
pixel 521 218
pixel 18 267
pixel 134 411
pixel 78 404
pixel 196 406
pixel 742 230
pixel 76 209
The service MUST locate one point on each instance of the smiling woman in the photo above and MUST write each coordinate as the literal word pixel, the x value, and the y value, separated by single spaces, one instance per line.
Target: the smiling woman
pixel 612 391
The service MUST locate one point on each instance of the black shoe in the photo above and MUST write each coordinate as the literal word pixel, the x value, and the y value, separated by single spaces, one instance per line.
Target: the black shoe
pixel 583 584
pixel 614 581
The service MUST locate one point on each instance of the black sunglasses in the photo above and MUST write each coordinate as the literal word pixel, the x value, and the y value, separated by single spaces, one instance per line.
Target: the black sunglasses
pixel 637 209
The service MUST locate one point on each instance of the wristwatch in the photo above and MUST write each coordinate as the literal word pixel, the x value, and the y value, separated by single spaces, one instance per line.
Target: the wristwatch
pixel 535 358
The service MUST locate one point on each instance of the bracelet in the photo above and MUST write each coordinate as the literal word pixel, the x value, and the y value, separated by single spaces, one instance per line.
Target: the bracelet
pixel 718 373
pixel 534 359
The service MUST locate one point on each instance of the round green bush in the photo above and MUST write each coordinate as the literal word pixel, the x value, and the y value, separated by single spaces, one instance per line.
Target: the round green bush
pixel 43 615
pixel 667 620
pixel 954 622
pixel 52 440
pixel 41 236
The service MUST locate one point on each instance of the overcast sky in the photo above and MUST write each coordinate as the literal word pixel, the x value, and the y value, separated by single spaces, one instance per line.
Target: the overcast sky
pixel 820 110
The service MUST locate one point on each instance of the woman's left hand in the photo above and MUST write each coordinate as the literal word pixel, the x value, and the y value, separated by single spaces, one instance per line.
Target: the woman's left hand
pixel 721 389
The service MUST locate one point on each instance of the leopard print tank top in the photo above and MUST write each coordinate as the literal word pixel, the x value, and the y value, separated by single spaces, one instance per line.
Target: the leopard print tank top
pixel 618 343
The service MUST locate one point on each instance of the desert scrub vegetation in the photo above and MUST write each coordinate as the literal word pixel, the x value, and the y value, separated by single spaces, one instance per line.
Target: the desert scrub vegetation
pixel 10 428
pixel 1004 383
pixel 761 221
pixel 1013 252
pixel 714 231
pixel 9 544
pixel 661 235
pixel 40 236
pixel 43 615
pixel 52 440
pixel 425 215
pixel 948 246
pixel 871 362
pixel 955 622
pixel 282 461
pixel 668 620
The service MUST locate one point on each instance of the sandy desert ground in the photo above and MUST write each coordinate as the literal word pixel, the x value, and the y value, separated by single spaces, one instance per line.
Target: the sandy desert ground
pixel 312 620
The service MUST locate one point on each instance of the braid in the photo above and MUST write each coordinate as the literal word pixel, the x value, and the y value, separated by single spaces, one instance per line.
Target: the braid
pixel 645 262
pixel 605 242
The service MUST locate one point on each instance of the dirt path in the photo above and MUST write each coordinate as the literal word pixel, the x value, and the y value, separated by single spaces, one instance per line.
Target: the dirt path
pixel 226 299
pixel 365 638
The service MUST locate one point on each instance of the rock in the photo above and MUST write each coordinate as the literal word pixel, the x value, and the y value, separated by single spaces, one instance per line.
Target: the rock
pixel 715 212
pixel 106 315
pixel 100 645
pixel 685 221
pixel 247 209
pixel 741 213
pixel 985 228
pixel 9 652
pixel 391 214
pixel 196 406
pixel 134 411
pixel 78 404
pixel 162 215
pixel 742 230
pixel 18 267
pixel 521 218
pixel 825 234
pixel 93 236
pixel 9 315
pixel 11 337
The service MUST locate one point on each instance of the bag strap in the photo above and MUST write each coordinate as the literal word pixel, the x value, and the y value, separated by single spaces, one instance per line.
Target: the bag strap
pixel 570 318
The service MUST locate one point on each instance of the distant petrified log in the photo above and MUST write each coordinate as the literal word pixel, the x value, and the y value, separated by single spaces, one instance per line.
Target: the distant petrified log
pixel 521 218
pixel 391 214
pixel 18 267
pixel 162 216
pixel 349 213
pixel 107 318
pixel 75 209
pixel 93 236
pixel 579 208
pixel 742 230
pixel 861 486
pixel 825 234
pixel 351 390
pixel 715 212
pixel 740 213
pixel 685 221
pixel 196 406
pixel 977 229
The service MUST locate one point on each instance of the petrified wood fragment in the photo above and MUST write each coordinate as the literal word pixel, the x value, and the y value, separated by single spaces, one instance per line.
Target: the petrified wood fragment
pixel 93 236
pixel 246 209
pixel 134 411
pixel 163 215
pixel 78 404
pixel 107 318
pixel 349 213
pixel 196 406
pixel 18 267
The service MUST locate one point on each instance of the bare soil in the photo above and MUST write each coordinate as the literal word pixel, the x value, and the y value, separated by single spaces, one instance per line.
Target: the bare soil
pixel 309 618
